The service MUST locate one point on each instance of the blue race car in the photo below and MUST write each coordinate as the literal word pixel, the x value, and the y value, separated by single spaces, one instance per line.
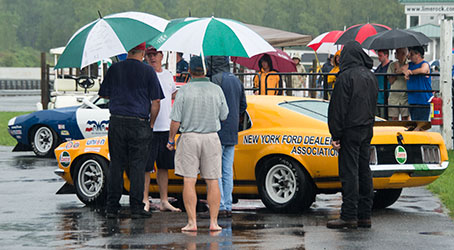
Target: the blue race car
pixel 44 130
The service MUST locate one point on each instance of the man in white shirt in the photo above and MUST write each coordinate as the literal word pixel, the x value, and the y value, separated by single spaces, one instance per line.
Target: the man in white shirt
pixel 159 153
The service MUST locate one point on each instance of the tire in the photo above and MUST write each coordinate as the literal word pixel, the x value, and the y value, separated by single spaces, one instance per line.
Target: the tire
pixel 284 186
pixel 44 140
pixel 90 180
pixel 385 197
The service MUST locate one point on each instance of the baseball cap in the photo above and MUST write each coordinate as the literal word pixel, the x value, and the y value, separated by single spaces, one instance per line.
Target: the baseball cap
pixel 140 46
pixel 151 50
pixel 195 64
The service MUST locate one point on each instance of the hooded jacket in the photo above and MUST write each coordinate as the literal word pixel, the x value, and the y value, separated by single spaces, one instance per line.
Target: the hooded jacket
pixel 234 95
pixel 354 98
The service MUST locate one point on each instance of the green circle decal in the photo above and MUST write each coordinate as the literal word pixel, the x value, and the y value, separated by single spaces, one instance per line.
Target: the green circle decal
pixel 401 154
pixel 65 159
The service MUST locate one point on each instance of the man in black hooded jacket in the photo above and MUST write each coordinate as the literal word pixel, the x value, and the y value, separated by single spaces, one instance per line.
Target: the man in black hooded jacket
pixel 351 116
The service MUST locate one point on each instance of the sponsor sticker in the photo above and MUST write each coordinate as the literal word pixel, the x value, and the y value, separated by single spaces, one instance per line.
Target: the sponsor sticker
pixel 92 150
pixel 95 142
pixel 16 127
pixel 76 144
pixel 65 159
pixel 61 126
pixel 401 154
pixel 69 145
pixel 64 132
pixel 16 132
pixel 96 127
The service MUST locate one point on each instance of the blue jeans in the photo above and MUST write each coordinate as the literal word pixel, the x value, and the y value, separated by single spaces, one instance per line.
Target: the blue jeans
pixel 226 181
pixel 420 114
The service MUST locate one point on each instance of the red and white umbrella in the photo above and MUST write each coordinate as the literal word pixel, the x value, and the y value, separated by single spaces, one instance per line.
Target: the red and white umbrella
pixel 360 32
pixel 324 43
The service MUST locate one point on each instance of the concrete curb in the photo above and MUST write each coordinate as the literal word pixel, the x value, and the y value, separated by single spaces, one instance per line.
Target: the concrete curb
pixel 15 92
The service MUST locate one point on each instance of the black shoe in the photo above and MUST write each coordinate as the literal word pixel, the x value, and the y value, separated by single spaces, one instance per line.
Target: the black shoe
pixel 140 214
pixel 340 223
pixel 225 214
pixel 112 214
pixel 365 223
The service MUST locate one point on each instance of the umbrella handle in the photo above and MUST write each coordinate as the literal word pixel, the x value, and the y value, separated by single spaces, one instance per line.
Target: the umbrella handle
pixel 203 62
pixel 318 62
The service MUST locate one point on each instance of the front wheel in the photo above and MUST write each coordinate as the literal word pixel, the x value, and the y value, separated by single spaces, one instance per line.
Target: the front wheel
pixel 385 197
pixel 44 141
pixel 90 180
pixel 284 186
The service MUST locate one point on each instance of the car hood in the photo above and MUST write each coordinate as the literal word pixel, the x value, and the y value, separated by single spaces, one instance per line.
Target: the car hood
pixel 46 113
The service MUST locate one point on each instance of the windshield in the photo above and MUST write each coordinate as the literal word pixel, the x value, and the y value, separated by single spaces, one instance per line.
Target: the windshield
pixel 98 101
pixel 317 109
pixel 312 108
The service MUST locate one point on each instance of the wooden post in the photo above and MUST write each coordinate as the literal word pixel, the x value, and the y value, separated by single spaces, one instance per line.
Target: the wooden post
pixel 446 81
pixel 313 81
pixel 44 81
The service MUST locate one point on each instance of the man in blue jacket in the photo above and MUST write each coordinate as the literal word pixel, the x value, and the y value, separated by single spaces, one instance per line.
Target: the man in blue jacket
pixel 236 101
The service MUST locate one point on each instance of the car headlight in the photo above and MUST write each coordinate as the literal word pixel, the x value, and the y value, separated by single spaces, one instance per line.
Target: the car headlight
pixel 373 155
pixel 12 121
pixel 430 154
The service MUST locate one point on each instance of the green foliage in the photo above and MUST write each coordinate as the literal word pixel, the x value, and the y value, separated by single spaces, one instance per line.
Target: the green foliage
pixel 5 138
pixel 20 57
pixel 47 24
pixel 444 187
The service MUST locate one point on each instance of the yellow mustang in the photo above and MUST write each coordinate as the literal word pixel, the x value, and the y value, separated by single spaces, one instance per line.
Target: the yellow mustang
pixel 283 157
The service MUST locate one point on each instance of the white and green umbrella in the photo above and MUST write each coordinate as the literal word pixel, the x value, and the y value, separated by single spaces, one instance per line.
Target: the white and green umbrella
pixel 109 36
pixel 179 20
pixel 212 37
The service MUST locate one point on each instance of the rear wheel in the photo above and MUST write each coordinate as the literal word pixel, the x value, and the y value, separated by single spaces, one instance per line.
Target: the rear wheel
pixel 385 197
pixel 90 180
pixel 284 186
pixel 44 140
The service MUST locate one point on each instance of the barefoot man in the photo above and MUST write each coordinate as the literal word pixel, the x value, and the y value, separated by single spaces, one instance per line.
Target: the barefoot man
pixel 159 153
pixel 198 110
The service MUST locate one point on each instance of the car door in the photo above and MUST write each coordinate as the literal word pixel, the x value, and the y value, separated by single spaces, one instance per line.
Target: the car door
pixel 93 120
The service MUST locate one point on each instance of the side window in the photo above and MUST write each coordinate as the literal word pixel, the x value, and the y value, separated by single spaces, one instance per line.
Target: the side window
pixel 245 122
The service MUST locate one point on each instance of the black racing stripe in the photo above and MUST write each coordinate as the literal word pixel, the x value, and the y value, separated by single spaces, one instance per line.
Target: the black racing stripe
pixel 387 174
pixel 327 179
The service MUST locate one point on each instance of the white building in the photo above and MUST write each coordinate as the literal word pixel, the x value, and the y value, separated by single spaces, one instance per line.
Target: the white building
pixel 425 16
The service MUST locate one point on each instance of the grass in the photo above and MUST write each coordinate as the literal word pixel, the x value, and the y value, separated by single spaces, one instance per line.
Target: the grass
pixel 444 186
pixel 5 138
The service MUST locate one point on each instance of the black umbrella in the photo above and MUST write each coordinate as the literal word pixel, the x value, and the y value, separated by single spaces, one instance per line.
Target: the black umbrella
pixel 394 39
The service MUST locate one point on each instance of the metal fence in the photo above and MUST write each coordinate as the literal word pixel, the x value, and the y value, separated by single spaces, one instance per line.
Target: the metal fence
pixel 20 84
pixel 317 87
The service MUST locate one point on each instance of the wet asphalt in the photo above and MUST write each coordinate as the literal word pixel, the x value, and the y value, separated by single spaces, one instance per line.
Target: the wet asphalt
pixel 9 100
pixel 32 216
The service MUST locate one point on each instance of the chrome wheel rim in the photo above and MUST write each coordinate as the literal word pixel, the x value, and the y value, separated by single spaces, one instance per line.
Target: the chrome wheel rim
pixel 90 178
pixel 280 183
pixel 43 139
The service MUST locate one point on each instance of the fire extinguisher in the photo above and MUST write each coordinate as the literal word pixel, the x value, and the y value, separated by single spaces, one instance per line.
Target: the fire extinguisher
pixel 436 113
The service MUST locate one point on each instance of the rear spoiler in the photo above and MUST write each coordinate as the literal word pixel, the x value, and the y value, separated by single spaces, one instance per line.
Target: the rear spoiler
pixel 410 125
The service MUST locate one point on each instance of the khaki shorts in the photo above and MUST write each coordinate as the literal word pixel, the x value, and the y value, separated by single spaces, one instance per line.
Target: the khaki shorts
pixel 394 112
pixel 199 153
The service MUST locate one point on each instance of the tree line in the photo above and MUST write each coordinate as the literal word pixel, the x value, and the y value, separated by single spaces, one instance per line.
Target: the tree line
pixel 28 27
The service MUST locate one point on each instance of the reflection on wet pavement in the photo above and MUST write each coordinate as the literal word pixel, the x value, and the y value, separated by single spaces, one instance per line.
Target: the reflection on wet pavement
pixel 33 217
